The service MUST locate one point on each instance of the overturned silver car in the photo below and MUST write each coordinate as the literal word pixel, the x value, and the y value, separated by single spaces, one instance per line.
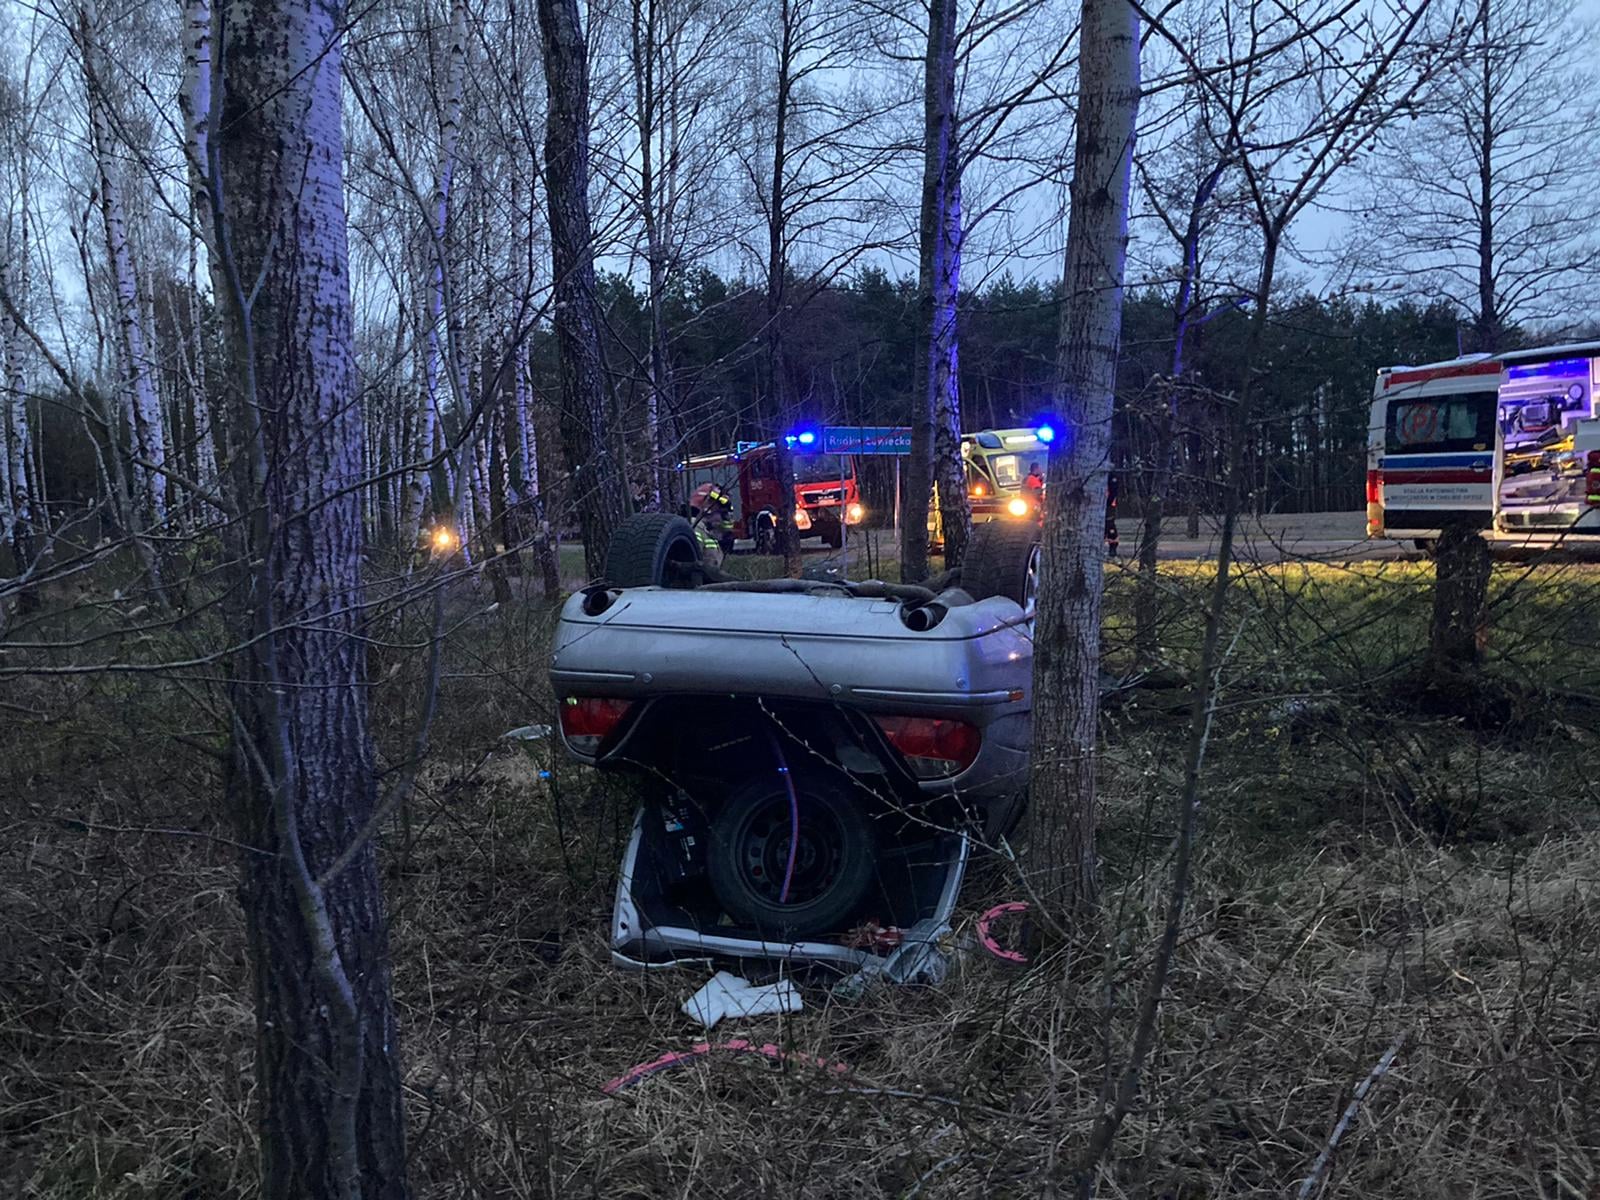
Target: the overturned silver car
pixel 812 753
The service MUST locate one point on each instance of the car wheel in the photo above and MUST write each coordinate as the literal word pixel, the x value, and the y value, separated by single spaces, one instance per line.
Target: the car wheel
pixel 834 857
pixel 833 536
pixel 765 537
pixel 1002 559
pixel 653 550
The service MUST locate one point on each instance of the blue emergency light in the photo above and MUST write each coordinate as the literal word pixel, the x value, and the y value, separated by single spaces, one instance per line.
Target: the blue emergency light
pixel 806 438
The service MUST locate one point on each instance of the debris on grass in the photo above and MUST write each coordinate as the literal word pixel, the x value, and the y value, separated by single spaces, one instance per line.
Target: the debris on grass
pixel 728 995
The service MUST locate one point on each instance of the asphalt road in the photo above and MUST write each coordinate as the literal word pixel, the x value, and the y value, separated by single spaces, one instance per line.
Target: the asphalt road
pixel 1320 537
pixel 1335 537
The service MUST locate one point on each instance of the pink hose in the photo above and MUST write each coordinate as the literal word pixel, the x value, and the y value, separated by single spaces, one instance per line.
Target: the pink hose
pixel 794 817
pixel 986 939
pixel 677 1058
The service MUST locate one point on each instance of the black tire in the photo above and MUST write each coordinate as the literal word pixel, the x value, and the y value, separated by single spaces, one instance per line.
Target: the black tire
pixel 1428 546
pixel 1000 558
pixel 653 550
pixel 833 536
pixel 834 864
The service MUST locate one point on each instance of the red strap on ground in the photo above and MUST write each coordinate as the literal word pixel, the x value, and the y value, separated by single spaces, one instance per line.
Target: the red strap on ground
pixel 986 939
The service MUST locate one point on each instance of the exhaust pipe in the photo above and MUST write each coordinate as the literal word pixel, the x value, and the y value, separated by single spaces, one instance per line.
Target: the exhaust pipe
pixel 920 618
pixel 597 599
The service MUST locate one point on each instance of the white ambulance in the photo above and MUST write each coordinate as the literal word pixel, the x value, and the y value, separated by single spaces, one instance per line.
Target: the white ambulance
pixel 1509 443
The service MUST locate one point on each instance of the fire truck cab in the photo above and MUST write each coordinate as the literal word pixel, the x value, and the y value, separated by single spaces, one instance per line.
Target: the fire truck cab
pixel 825 499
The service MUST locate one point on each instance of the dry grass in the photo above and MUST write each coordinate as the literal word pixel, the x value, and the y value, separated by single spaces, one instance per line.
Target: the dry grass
pixel 1330 917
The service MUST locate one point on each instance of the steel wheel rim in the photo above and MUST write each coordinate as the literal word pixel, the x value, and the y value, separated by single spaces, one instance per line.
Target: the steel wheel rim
pixel 762 852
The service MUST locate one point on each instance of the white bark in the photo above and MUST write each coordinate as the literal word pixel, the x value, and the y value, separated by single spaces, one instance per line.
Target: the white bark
pixel 466 506
pixel 450 132
pixel 196 104
pixel 7 501
pixel 195 100
pixel 166 434
pixel 522 469
pixel 18 505
pixel 205 448
pixel 536 515
pixel 482 495
pixel 14 425
pixel 149 442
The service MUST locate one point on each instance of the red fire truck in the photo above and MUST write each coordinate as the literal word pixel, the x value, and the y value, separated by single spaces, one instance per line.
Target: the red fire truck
pixel 825 498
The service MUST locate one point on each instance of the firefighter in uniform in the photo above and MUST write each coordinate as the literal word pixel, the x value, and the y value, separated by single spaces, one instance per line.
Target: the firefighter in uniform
pixel 714 527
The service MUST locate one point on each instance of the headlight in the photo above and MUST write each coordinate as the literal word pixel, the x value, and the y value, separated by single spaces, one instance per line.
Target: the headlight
pixel 979 490
pixel 444 539
pixel 1018 507
pixel 854 513
pixel 801 520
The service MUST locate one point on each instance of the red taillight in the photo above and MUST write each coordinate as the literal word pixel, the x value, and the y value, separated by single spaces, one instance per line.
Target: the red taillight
pixel 1591 477
pixel 933 746
pixel 586 720
pixel 1374 487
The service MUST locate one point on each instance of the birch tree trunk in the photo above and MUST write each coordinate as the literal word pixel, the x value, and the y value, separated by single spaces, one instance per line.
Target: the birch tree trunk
pixel 438 264
pixel 16 434
pixel 936 415
pixel 195 101
pixel 485 452
pixel 149 446
pixel 17 500
pixel 9 455
pixel 1066 672
pixel 301 775
pixel 528 455
pixel 205 445
pixel 522 468
pixel 597 485
pixel 466 502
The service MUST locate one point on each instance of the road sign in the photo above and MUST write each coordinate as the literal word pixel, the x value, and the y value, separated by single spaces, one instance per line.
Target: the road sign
pixel 866 439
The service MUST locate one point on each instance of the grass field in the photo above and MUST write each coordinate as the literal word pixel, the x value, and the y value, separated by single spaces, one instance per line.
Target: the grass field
pixel 1375 867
